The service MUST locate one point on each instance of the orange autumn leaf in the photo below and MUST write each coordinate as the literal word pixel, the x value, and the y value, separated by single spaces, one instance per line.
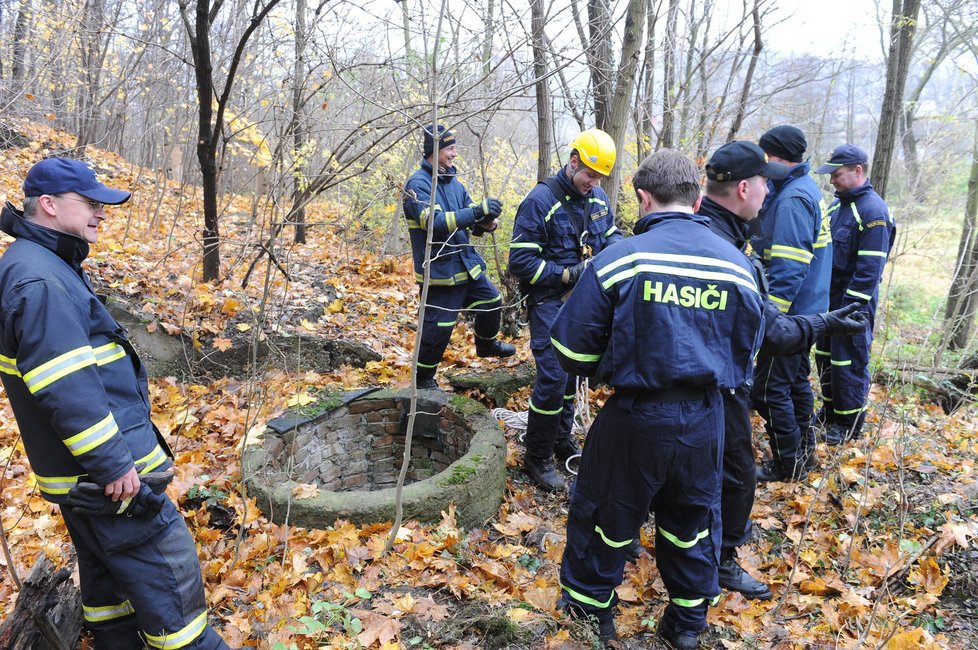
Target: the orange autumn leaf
pixel 222 344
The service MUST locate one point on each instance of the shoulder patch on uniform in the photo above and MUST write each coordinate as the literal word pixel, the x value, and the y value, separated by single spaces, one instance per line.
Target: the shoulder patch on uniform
pixel 600 213
pixel 878 222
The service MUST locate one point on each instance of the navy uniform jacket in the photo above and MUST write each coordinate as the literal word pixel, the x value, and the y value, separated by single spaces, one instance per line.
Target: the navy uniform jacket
pixel 453 259
pixel 862 235
pixel 793 239
pixel 675 306
pixel 783 334
pixel 76 387
pixel 545 240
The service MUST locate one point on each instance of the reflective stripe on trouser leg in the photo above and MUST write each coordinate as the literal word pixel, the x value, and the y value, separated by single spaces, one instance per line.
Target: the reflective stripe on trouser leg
pixel 850 378
pixel 637 456
pixel 486 305
pixel 152 563
pixel 547 406
pixel 774 388
pixel 440 315
pixel 823 365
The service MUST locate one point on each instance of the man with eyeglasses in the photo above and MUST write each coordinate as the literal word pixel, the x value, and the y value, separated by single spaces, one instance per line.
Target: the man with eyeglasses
pixel 81 400
pixel 863 232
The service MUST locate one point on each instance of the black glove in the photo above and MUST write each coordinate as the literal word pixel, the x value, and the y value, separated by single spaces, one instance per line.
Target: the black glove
pixel 848 320
pixel 89 498
pixel 574 272
pixel 488 210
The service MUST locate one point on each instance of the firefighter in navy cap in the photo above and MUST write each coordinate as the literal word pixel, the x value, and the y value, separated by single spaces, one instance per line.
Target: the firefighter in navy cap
pixel 670 318
pixel 863 231
pixel 458 279
pixel 735 190
pixel 560 225
pixel 81 399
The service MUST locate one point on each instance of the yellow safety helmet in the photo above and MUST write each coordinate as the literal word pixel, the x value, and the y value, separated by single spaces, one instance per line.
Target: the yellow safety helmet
pixel 596 149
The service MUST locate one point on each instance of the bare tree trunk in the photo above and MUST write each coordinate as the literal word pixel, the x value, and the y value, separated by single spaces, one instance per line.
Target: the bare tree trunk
pixel 902 30
pixel 643 98
pixel 668 132
pixel 745 91
pixel 93 20
pixel 602 60
pixel 962 299
pixel 618 116
pixel 297 214
pixel 18 61
pixel 406 26
pixel 210 124
pixel 545 142
pixel 490 25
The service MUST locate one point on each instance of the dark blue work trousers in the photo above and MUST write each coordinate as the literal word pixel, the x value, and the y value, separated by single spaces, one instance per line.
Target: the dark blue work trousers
pixel 783 396
pixel 551 413
pixel 642 455
pixel 739 475
pixel 843 370
pixel 141 578
pixel 441 314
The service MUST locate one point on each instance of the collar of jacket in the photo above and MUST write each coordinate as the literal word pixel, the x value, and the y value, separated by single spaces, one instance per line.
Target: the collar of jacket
pixel 568 185
pixel 849 196
pixel 798 171
pixel 444 176
pixel 725 223
pixel 655 218
pixel 71 249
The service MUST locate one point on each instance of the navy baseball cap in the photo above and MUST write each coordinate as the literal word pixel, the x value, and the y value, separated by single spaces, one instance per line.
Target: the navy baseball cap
pixel 60 175
pixel 844 154
pixel 738 160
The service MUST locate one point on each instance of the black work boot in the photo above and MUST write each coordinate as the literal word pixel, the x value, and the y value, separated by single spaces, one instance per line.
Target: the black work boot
pixel 428 383
pixel 734 578
pixel 676 638
pixel 634 551
pixel 772 471
pixel 836 434
pixel 565 448
pixel 544 473
pixel 493 348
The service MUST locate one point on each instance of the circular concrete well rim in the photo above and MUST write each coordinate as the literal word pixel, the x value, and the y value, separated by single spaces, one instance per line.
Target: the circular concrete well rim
pixel 474 483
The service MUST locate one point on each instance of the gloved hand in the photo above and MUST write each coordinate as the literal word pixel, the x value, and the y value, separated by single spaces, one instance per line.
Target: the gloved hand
pixel 89 498
pixel 488 210
pixel 846 321
pixel 573 273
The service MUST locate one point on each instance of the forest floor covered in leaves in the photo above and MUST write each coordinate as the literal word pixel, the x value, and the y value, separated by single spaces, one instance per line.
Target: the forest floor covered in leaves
pixel 875 549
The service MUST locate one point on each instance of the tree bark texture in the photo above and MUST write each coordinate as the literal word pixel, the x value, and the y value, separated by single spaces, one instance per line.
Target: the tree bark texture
pixel 668 132
pixel 297 213
pixel 48 613
pixel 545 143
pixel 962 299
pixel 601 60
pixel 738 120
pixel 902 30
pixel 617 123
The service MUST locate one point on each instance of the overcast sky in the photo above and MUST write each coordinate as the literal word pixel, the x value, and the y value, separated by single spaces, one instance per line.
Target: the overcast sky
pixel 828 28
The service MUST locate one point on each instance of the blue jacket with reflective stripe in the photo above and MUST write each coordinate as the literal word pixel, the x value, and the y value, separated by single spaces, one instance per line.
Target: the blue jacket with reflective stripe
pixel 453 259
pixel 675 306
pixel 863 232
pixel 77 390
pixel 792 237
pixel 545 241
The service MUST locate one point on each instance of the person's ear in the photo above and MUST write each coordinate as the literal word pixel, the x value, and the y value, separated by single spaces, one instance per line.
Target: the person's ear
pixel 743 187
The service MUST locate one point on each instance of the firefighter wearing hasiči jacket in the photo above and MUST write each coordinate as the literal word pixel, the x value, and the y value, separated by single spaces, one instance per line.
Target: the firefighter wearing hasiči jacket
pixel 669 318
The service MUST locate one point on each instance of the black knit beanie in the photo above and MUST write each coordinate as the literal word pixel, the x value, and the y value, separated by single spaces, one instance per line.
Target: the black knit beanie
pixel 784 141
pixel 445 139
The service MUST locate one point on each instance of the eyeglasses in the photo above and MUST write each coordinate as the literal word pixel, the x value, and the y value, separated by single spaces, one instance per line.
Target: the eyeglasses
pixel 94 205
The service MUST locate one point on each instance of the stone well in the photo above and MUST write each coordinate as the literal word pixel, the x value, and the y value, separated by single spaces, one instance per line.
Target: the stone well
pixel 352 452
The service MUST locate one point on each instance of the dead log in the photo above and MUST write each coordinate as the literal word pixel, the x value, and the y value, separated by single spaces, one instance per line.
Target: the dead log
pixel 48 614
pixel 949 388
